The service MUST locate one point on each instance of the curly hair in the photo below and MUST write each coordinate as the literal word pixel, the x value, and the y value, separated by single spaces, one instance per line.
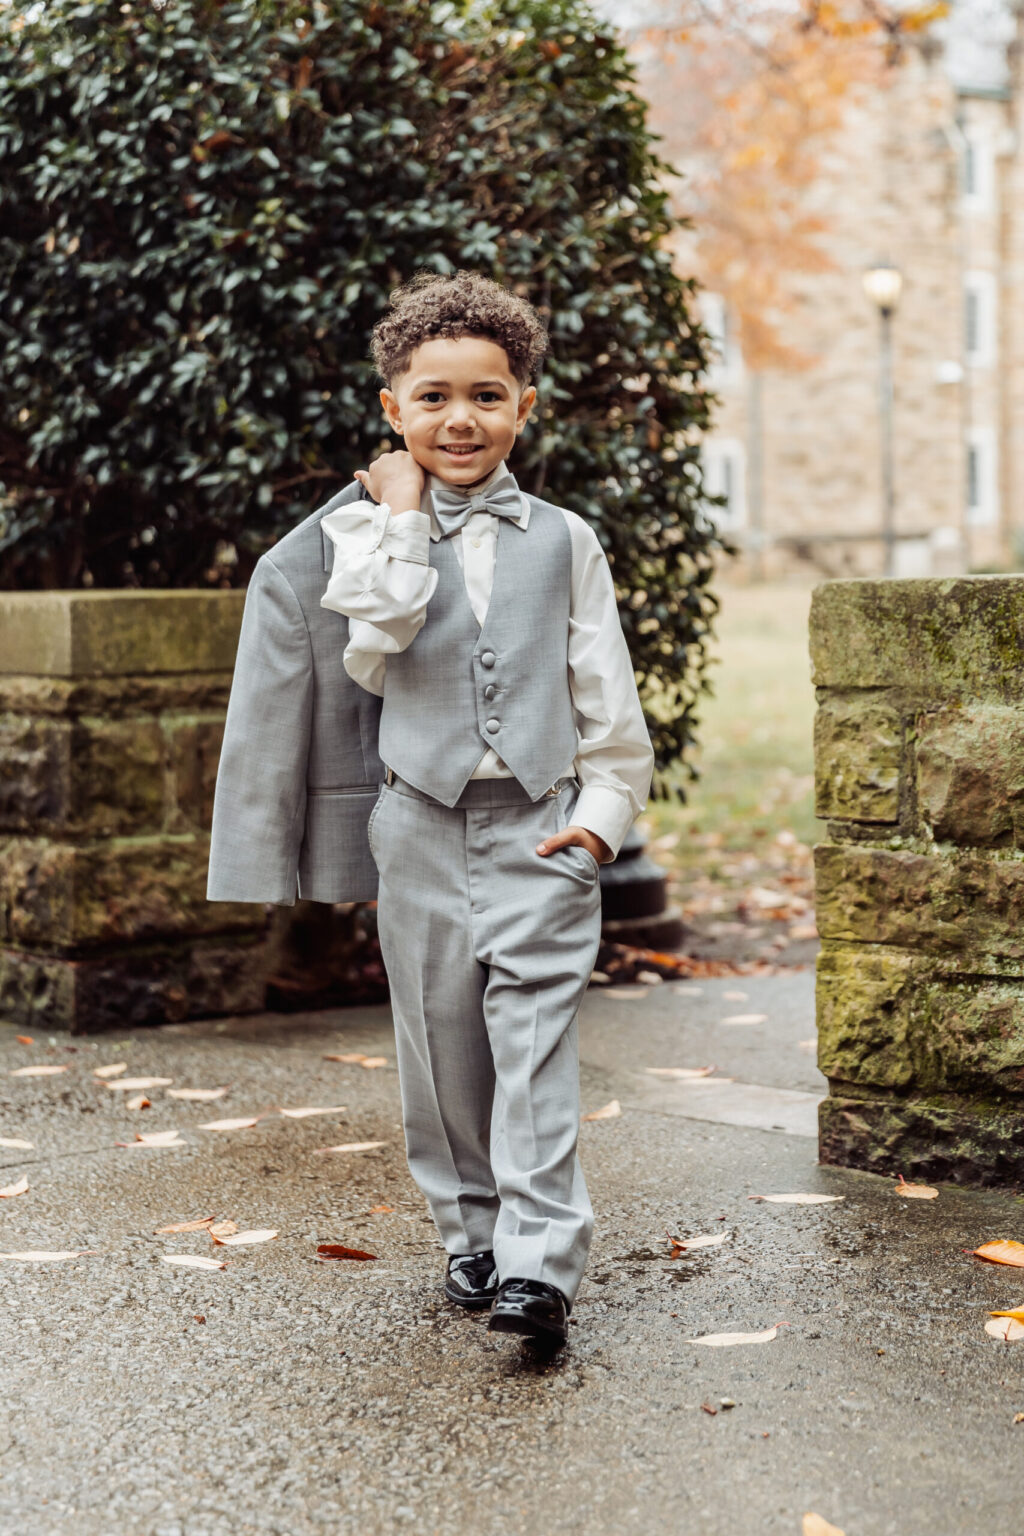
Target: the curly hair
pixel 463 304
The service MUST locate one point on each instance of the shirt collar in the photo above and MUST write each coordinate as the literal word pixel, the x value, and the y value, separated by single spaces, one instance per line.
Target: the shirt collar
pixel 426 505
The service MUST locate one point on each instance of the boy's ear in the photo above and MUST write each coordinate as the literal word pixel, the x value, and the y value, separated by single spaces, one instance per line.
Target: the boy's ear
pixel 389 402
pixel 526 404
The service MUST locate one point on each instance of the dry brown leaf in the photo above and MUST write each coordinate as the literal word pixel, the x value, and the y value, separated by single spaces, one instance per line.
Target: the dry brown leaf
pixel 300 1114
pixel 814 1525
pixel 127 1084
pixel 915 1191
pixel 196 1095
pixel 708 1409
pixel 186 1226
pixel 230 1125
pixel 722 1340
pixel 353 1146
pixel 681 1245
pixel 607 1111
pixel 1005 1251
pixel 113 1070
pixel 746 1018
pixel 374 1061
pixel 25 1039
pixel 21 1188
pixel 153 1139
pixel 222 1228
pixel 194 1260
pixel 350 1056
pixel 16 1141
pixel 243 1239
pixel 139 1102
pixel 41 1256
pixel 625 994
pixel 797 1199
pixel 36 1071
pixel 381 1210
pixel 1008 1329
pixel 339 1251
pixel 680 1072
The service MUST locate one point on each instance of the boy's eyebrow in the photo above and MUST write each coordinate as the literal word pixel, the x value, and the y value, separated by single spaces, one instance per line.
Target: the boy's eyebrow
pixel 445 384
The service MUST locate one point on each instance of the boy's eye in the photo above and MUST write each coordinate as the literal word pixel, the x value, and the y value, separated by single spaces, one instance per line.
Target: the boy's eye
pixel 488 394
pixel 431 395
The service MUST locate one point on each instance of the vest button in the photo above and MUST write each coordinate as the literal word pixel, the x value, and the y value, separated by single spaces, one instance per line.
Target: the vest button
pixel 490 691
pixel 493 726
pixel 488 659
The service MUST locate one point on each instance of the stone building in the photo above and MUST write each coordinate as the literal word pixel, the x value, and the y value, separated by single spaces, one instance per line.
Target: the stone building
pixel 928 174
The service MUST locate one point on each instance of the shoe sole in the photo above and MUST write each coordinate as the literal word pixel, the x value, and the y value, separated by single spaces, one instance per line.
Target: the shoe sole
pixel 468 1302
pixel 504 1323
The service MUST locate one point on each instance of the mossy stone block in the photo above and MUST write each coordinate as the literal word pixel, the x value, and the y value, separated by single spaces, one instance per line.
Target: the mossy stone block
pixel 114 633
pixel 970 775
pixel 979 1146
pixel 858 748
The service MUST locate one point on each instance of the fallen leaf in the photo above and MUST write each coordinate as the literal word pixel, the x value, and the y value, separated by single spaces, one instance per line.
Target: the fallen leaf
pixel 814 1525
pixel 113 1070
pixel 40 1256
pixel 680 1071
pixel 128 1083
pixel 21 1188
pixel 230 1125
pixel 153 1139
pixel 600 978
pixel 37 1071
pixel 746 1018
pixel 1017 1313
pixel 607 1111
pixel 735 997
pixel 222 1228
pixel 708 1409
pixel 804 931
pixel 1008 1330
pixel 353 1146
pixel 650 978
pixel 1006 1251
pixel 808 1045
pixel 721 1340
pixel 194 1260
pixel 25 1039
pixel 625 994
pixel 139 1102
pixel 196 1095
pixel 242 1239
pixel 1018 1418
pixel 338 1251
pixel 681 1245
pixel 380 1210
pixel 915 1191
pixel 797 1199
pixel 300 1114
pixel 186 1226
pixel 374 1061
pixel 198 1317
pixel 16 1141
pixel 350 1056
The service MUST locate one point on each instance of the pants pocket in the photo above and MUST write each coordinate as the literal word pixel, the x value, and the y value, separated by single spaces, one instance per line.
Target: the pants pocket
pixel 373 817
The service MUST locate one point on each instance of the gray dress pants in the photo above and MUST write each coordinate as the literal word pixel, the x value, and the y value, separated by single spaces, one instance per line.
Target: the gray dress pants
pixel 488 947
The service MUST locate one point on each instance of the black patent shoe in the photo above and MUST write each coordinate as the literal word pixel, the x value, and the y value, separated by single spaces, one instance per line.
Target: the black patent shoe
pixel 532 1308
pixel 472 1279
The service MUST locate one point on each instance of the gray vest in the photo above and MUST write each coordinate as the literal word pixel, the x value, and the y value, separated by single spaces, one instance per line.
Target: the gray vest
pixel 459 687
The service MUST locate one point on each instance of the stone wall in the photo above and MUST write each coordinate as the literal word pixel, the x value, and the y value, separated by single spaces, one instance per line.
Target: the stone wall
pixel 112 708
pixel 919 754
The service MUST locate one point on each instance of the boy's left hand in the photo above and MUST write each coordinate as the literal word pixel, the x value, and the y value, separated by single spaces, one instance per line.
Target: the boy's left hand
pixel 588 840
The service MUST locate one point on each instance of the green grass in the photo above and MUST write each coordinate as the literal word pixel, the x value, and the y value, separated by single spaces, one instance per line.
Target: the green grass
pixel 755 754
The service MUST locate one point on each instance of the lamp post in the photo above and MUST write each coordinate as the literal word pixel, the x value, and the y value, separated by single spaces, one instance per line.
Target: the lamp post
pixel 882 284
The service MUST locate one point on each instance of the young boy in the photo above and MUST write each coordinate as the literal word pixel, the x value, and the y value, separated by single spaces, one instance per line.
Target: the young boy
pixel 483 626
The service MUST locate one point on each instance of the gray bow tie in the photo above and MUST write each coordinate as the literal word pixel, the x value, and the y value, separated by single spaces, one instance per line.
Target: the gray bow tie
pixel 452 506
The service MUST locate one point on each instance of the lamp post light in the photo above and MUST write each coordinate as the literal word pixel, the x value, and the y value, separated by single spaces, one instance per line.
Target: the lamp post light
pixel 883 284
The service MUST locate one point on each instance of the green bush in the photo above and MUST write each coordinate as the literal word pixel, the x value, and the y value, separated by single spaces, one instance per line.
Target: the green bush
pixel 203 207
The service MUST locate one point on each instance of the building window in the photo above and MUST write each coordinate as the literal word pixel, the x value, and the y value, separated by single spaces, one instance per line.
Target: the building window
pixel 725 475
pixel 982 480
pixel 726 359
pixel 977 171
pixel 980 319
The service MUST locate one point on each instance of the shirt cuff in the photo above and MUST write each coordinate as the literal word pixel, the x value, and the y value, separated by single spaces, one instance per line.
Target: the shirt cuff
pixel 402 535
pixel 604 812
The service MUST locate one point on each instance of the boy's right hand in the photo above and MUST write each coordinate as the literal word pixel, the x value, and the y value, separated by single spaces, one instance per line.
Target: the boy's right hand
pixel 395 478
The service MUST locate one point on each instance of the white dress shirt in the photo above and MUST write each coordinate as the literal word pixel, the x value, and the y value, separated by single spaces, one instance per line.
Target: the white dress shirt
pixel 383 581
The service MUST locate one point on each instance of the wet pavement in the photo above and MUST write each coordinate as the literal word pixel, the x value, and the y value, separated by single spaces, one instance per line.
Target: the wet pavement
pixel 289 1396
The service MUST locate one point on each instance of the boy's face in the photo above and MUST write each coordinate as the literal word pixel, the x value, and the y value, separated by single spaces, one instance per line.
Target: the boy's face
pixel 458 407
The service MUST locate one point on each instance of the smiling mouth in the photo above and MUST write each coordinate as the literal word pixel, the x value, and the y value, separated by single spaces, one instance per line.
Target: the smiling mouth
pixel 459 451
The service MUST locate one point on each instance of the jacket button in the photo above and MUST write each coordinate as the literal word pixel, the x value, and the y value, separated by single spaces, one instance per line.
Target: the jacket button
pixel 493 725
pixel 490 691
pixel 487 659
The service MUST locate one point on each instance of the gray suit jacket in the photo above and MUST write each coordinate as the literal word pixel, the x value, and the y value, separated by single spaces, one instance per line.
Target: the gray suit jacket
pixel 299 769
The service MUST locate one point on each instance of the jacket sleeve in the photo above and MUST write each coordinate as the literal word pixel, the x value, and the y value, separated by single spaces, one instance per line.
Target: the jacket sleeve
pixel 259 803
